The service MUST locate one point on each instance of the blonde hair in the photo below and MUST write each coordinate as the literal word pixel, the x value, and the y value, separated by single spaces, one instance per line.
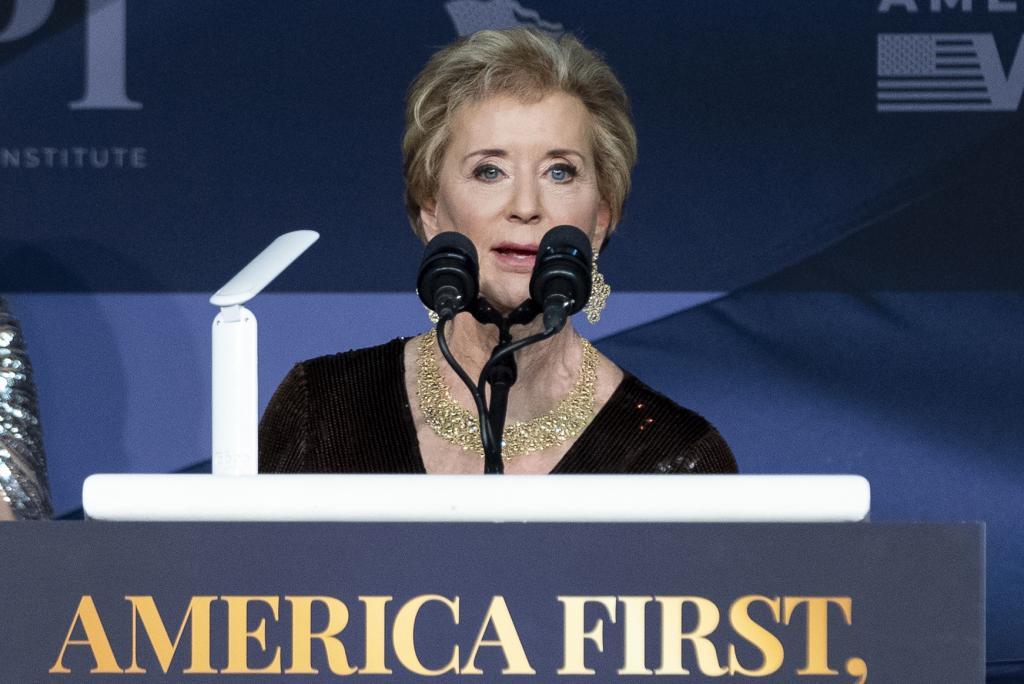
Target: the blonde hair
pixel 526 64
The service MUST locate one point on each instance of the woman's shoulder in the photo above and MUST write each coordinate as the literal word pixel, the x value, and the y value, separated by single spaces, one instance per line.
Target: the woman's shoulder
pixel 645 398
pixel 382 357
pixel 334 413
pixel 352 385
pixel 657 435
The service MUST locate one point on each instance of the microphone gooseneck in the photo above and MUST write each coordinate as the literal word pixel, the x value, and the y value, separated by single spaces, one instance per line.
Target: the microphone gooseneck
pixel 448 279
pixel 560 284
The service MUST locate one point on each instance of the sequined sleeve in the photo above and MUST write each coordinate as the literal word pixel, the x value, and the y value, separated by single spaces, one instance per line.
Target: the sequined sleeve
pixel 23 480
pixel 283 436
pixel 709 454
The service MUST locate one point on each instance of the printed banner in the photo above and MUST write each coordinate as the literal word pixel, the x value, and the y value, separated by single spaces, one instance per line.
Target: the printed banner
pixel 814 604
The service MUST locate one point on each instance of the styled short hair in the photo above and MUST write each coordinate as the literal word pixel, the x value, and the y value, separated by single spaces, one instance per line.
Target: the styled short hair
pixel 528 65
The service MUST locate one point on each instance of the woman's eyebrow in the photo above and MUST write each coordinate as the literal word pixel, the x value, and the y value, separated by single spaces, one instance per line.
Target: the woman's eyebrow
pixel 498 152
pixel 489 152
pixel 565 153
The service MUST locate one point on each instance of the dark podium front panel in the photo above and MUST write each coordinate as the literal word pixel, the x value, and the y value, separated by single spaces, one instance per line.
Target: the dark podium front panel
pixel 893 604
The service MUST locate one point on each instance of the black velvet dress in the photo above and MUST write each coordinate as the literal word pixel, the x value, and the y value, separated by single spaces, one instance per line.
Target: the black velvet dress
pixel 349 413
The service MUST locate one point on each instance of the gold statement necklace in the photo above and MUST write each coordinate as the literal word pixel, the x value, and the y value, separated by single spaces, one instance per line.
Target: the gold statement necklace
pixel 460 427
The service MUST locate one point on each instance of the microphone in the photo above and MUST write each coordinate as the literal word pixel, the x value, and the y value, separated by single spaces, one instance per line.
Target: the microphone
pixel 448 279
pixel 560 284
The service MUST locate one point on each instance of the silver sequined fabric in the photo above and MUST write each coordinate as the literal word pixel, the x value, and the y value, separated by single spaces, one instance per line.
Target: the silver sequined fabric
pixel 23 484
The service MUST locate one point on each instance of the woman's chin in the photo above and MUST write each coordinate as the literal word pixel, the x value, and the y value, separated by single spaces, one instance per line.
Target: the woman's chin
pixel 506 300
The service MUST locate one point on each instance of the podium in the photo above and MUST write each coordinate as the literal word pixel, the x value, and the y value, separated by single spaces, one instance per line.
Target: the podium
pixel 538 601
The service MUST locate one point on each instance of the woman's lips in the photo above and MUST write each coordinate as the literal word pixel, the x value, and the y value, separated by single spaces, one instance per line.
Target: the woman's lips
pixel 514 257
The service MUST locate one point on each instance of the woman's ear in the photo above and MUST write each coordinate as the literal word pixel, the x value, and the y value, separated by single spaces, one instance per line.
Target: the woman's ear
pixel 428 218
pixel 604 226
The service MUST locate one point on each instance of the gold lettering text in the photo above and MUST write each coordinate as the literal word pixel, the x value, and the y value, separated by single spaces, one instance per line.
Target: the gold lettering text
pixel 817 628
pixel 745 626
pixel 574 662
pixel 508 641
pixel 376 641
pixel 239 635
pixel 672 636
pixel 303 635
pixel 144 608
pixel 404 635
pixel 95 638
pixel 635 655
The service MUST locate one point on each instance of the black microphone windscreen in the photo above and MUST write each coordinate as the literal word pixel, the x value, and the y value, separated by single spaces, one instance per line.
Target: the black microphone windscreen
pixel 450 241
pixel 449 273
pixel 565 238
pixel 563 267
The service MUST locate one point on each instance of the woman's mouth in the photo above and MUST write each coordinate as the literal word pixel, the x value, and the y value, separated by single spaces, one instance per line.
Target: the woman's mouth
pixel 516 257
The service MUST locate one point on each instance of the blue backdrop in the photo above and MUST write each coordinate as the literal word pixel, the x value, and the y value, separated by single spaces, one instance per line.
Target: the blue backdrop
pixel 822 252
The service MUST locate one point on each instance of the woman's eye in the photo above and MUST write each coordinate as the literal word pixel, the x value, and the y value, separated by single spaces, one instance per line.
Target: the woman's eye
pixel 488 173
pixel 561 173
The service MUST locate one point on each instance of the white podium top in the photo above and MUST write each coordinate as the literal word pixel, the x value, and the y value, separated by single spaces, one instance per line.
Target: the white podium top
pixel 479 498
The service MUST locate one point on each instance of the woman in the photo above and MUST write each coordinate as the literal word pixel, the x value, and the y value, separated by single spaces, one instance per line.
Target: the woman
pixel 508 134
pixel 24 492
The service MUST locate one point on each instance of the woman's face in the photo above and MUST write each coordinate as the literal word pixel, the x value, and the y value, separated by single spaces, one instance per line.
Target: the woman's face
pixel 513 171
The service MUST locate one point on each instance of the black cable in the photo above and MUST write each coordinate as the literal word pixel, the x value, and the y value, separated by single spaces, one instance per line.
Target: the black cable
pixel 486 436
pixel 499 400
pixel 490 436
pixel 513 348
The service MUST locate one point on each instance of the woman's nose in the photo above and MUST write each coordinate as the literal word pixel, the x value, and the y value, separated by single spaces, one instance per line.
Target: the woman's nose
pixel 525 204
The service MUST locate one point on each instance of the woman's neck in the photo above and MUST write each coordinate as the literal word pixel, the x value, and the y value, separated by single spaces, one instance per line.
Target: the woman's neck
pixel 547 370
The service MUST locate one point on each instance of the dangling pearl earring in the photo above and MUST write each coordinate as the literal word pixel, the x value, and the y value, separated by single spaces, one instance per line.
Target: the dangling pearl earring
pixel 599 292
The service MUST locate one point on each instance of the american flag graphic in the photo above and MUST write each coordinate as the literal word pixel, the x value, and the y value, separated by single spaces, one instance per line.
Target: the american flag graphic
pixel 934 72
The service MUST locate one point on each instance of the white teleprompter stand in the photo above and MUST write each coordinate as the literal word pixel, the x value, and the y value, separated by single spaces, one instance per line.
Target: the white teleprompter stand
pixel 235 406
